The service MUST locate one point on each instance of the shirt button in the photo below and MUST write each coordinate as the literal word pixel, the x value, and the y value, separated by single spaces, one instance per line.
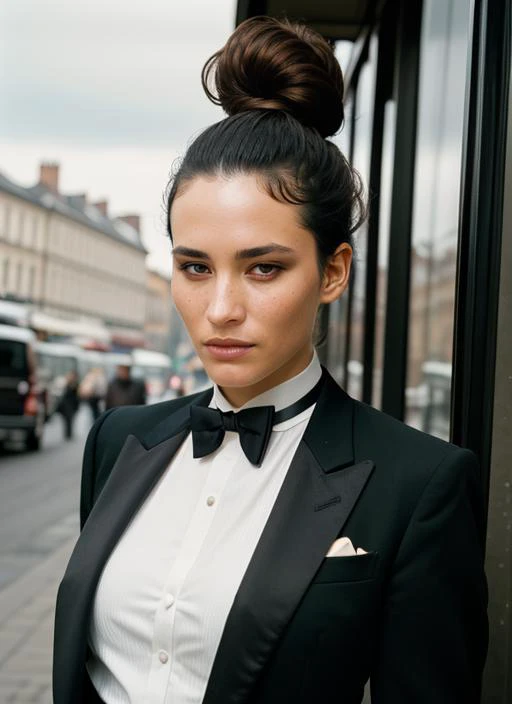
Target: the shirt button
pixel 210 500
pixel 168 601
pixel 163 657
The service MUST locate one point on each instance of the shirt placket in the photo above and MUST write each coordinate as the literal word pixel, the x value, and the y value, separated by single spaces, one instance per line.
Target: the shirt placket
pixel 166 628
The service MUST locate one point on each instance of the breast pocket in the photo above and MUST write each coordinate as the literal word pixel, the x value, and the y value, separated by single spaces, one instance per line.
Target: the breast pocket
pixel 351 568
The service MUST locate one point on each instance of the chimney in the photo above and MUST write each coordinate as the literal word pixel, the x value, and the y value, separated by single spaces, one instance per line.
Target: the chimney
pixel 102 206
pixel 133 220
pixel 49 175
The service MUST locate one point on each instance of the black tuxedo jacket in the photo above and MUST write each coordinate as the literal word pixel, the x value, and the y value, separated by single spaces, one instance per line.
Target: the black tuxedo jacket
pixel 409 615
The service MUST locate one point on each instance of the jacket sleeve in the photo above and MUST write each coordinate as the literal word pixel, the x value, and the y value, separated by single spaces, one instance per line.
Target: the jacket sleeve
pixel 433 635
pixel 89 464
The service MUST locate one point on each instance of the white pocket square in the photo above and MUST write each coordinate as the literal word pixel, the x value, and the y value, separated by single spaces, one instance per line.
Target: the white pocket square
pixel 343 548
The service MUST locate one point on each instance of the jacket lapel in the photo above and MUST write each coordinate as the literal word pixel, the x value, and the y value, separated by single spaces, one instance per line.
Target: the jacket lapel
pixel 136 471
pixel 315 501
pixel 138 467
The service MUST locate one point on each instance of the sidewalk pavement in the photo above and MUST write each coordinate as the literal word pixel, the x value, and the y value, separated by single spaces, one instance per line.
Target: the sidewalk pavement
pixel 26 631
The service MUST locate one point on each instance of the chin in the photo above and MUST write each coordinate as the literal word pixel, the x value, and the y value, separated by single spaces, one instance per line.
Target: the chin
pixel 233 375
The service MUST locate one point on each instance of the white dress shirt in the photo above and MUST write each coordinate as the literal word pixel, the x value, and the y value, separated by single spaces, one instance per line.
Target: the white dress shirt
pixel 166 591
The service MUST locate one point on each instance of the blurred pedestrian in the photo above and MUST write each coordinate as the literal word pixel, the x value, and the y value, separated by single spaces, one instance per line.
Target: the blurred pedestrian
pixel 177 385
pixel 124 390
pixel 69 403
pixel 93 389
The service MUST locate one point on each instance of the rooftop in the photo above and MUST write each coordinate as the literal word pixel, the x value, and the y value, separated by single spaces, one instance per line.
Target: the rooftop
pixel 76 208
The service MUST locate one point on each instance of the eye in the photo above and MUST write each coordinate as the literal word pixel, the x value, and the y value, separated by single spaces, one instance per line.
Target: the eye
pixel 266 270
pixel 194 268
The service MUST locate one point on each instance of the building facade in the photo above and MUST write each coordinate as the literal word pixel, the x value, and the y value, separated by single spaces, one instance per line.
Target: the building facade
pixel 69 259
pixel 158 312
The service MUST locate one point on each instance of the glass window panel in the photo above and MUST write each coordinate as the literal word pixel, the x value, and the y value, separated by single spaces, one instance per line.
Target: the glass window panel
pixel 343 52
pixel 19 279
pixel 6 275
pixel 361 160
pixel 7 220
pixel 32 283
pixel 337 338
pixel 435 218
pixel 386 188
pixel 35 221
pixel 13 358
pixel 339 309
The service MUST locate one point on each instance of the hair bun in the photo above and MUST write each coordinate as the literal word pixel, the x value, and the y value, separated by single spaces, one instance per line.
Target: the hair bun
pixel 275 64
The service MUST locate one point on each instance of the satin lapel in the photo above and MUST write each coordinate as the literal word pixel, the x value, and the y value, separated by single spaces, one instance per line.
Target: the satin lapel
pixel 134 474
pixel 137 469
pixel 311 509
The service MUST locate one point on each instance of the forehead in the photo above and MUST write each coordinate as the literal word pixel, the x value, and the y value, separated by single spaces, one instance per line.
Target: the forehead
pixel 236 206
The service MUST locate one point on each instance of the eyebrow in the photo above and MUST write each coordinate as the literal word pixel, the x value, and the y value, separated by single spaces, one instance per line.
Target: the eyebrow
pixel 250 253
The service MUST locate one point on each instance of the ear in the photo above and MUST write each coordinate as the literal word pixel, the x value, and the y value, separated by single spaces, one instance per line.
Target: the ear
pixel 336 274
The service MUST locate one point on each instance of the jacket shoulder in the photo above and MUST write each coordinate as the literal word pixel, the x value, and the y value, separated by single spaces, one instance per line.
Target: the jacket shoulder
pixel 407 458
pixel 387 434
pixel 108 435
pixel 136 420
pixel 140 419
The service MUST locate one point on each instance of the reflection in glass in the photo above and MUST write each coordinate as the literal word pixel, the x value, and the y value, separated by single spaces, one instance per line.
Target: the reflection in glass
pixel 363 124
pixel 386 188
pixel 339 309
pixel 435 219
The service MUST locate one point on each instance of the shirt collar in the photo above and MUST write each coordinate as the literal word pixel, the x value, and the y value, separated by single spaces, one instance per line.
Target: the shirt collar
pixel 280 396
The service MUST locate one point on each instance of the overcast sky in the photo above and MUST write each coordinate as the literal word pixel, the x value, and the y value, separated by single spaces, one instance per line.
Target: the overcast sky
pixel 111 89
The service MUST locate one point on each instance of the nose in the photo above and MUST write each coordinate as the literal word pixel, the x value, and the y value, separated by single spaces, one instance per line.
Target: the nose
pixel 226 305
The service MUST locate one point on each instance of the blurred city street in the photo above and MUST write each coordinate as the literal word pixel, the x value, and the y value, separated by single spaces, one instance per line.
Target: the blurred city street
pixel 38 525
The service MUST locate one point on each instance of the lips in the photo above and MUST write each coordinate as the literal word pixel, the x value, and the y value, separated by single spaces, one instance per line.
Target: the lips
pixel 228 348
pixel 227 342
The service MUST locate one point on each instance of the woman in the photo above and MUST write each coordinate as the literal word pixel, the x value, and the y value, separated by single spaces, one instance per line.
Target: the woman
pixel 271 540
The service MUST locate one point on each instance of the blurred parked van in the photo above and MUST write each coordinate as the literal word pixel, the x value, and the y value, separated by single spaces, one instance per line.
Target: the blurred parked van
pixel 22 408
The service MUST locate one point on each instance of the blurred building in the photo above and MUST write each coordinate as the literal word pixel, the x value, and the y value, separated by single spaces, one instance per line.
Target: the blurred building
pixel 158 311
pixel 73 261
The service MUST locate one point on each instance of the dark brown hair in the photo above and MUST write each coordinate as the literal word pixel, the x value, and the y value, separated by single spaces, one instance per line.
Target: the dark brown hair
pixel 274 64
pixel 282 88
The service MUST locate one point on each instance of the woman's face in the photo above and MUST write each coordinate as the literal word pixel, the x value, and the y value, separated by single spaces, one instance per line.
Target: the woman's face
pixel 246 283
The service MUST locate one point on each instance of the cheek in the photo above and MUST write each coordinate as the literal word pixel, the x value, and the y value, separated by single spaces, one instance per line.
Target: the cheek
pixel 292 308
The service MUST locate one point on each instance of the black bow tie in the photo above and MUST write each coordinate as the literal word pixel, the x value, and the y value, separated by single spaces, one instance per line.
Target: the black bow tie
pixel 254 425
